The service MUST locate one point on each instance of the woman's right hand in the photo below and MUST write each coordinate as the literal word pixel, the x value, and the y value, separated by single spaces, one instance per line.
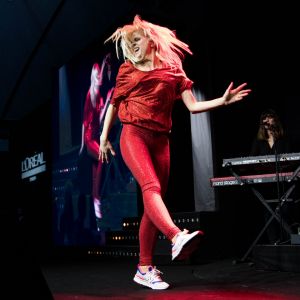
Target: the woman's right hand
pixel 104 149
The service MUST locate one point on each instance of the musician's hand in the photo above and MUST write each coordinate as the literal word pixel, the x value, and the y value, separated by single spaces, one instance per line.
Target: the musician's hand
pixel 232 95
pixel 104 149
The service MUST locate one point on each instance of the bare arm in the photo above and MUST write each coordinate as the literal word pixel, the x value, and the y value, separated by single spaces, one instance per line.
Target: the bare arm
pixel 108 97
pixel 230 96
pixel 105 145
pixel 82 139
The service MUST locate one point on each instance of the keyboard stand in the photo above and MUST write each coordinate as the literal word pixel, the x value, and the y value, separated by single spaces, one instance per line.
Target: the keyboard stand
pixel 274 213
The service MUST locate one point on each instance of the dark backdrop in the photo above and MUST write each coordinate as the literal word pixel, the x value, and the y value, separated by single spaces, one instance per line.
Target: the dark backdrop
pixel 231 41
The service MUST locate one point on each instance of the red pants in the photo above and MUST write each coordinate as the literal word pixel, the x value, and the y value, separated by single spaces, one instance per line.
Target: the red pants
pixel 147 155
pixel 92 147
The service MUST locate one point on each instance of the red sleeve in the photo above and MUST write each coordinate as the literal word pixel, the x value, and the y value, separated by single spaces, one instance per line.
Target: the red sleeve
pixel 184 83
pixel 124 84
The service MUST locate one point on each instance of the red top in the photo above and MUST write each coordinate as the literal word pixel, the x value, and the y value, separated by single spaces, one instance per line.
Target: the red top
pixel 146 98
pixel 91 118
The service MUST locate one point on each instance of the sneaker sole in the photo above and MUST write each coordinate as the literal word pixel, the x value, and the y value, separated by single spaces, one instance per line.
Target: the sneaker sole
pixel 189 247
pixel 143 283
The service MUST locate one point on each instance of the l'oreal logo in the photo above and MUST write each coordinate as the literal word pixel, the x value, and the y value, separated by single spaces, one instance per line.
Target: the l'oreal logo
pixel 33 165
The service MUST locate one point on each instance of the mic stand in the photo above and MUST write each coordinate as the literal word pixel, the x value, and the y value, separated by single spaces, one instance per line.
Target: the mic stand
pixel 280 202
pixel 237 177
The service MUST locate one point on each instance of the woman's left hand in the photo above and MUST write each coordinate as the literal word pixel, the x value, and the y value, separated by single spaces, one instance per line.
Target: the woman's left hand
pixel 232 95
pixel 104 150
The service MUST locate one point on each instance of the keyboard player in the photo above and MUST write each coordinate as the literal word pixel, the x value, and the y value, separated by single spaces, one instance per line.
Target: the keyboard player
pixel 271 139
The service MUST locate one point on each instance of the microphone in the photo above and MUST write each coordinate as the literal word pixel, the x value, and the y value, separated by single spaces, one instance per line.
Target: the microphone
pixel 264 124
pixel 268 126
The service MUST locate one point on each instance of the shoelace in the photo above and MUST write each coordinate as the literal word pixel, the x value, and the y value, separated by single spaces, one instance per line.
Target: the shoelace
pixel 155 275
pixel 185 231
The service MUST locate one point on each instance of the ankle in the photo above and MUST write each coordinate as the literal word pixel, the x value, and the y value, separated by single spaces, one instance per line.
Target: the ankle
pixel 184 231
pixel 174 238
pixel 144 268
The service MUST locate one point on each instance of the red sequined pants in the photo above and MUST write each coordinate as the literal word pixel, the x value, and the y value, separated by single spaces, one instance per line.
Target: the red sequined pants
pixel 147 155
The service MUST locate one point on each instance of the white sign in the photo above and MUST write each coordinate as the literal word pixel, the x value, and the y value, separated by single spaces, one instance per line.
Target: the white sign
pixel 31 166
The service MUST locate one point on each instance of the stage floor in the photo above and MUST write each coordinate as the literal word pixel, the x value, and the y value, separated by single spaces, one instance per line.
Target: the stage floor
pixel 111 278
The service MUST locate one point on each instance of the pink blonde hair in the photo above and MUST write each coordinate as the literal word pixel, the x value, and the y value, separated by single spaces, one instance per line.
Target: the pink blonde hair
pixel 169 49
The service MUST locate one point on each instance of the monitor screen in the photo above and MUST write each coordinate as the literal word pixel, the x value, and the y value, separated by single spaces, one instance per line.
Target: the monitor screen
pixel 89 198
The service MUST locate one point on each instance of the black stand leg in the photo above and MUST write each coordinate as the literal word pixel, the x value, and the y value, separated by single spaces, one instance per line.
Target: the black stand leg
pixel 274 214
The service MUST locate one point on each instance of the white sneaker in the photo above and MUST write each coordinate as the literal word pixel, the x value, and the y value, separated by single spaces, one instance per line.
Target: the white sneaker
pixel 185 244
pixel 97 208
pixel 150 279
